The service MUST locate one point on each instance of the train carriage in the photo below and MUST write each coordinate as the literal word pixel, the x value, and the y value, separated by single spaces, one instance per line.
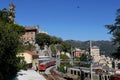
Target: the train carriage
pixel 115 77
pixel 44 65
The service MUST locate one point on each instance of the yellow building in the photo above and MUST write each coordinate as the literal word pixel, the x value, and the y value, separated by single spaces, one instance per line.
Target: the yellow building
pixel 31 58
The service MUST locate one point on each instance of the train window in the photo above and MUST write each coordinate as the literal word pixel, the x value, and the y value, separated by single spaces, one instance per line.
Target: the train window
pixel 100 77
pixel 79 73
pixel 108 77
pixel 86 74
pixel 118 65
pixel 82 75
pixel 105 77
pixel 71 71
pixel 74 72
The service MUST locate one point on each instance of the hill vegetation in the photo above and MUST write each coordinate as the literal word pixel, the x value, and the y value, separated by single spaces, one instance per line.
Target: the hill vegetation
pixel 106 47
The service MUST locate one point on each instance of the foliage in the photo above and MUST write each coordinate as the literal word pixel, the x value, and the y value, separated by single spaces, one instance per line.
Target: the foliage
pixel 65 62
pixel 10 45
pixel 57 44
pixel 61 68
pixel 29 47
pixel 64 56
pixel 59 47
pixel 106 47
pixel 4 17
pixel 76 61
pixel 53 49
pixel 42 39
pixel 56 40
pixel 85 59
pixel 66 47
pixel 114 30
pixel 21 63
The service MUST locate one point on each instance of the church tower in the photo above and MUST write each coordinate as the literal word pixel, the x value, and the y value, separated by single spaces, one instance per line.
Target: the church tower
pixel 12 10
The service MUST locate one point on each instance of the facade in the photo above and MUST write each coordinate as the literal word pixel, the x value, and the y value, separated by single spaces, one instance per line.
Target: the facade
pixel 40 31
pixel 29 35
pixel 95 53
pixel 77 52
pixel 31 58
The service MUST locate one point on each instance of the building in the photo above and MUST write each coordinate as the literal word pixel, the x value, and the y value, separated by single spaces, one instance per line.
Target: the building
pixel 77 52
pixel 29 35
pixel 95 53
pixel 40 31
pixel 31 58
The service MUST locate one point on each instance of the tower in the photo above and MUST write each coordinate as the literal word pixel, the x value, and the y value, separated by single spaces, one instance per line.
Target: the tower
pixel 12 10
pixel 96 53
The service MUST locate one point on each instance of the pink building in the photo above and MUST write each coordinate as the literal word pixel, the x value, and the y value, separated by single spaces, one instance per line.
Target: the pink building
pixel 77 52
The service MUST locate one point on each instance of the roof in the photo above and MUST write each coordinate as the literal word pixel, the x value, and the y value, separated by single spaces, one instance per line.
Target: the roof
pixel 31 53
pixel 31 28
pixel 95 47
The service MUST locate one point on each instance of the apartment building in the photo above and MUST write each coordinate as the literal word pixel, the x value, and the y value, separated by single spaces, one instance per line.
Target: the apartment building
pixel 29 35
pixel 95 53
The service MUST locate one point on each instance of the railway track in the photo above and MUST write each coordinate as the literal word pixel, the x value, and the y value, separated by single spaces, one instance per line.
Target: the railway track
pixel 53 75
pixel 56 75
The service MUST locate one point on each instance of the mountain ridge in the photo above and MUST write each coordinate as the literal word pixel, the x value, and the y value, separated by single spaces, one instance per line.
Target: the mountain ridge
pixel 106 47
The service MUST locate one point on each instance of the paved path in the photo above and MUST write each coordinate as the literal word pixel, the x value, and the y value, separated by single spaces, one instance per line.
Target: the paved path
pixel 29 75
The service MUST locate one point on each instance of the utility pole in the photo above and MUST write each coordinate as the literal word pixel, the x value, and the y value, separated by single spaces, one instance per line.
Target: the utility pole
pixel 91 60
pixel 72 56
pixel 58 60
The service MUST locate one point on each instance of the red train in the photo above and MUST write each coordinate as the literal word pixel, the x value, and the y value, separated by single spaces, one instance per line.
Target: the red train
pixel 115 77
pixel 44 65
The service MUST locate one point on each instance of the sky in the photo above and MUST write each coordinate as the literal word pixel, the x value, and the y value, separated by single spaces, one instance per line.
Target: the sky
pixel 67 19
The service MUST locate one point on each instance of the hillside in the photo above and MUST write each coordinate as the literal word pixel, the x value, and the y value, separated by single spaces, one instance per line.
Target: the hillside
pixel 106 47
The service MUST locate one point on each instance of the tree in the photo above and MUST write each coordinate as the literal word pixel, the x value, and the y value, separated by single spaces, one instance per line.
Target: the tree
pixel 66 47
pixel 42 39
pixel 53 49
pixel 55 40
pixel 10 45
pixel 55 44
pixel 85 59
pixel 65 62
pixel 30 47
pixel 114 30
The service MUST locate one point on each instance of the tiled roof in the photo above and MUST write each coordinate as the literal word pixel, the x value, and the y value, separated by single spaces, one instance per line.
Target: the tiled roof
pixel 31 53
pixel 31 28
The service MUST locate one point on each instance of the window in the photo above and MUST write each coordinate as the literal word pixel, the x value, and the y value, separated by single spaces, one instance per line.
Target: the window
pixel 74 72
pixel 79 73
pixel 71 71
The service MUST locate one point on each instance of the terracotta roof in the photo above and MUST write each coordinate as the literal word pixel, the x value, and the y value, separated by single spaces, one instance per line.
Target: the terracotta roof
pixel 31 28
pixel 31 53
